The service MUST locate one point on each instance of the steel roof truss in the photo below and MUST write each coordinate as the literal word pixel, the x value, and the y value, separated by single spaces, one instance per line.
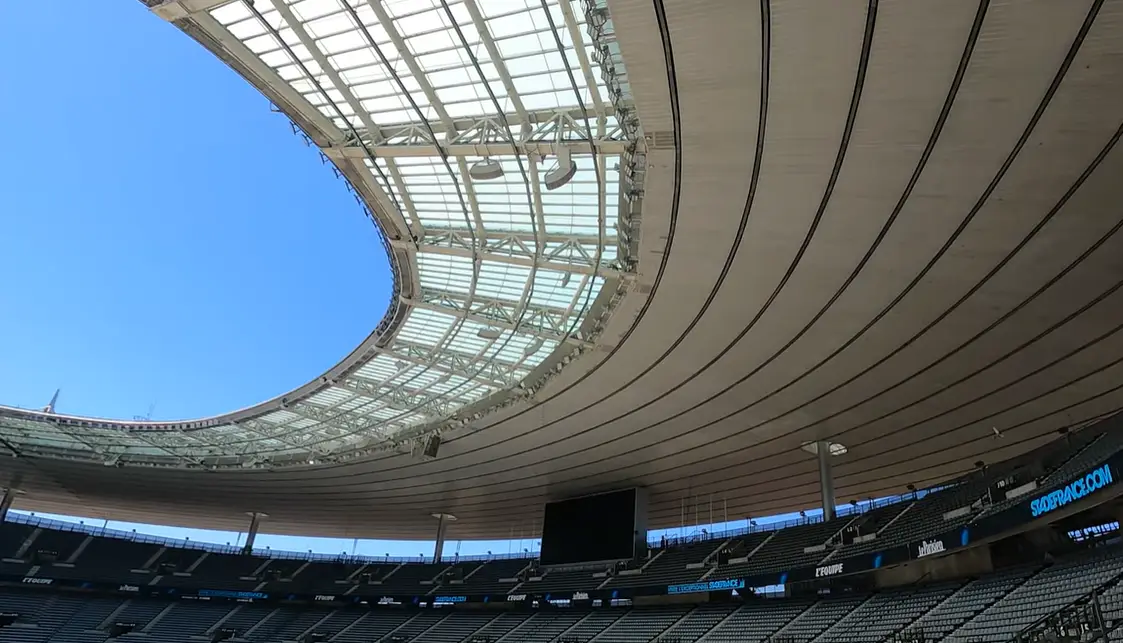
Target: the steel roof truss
pixel 487 136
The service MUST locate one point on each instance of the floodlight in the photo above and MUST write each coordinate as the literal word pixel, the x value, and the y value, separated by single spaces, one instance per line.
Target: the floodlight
pixel 485 170
pixel 533 347
pixel 489 333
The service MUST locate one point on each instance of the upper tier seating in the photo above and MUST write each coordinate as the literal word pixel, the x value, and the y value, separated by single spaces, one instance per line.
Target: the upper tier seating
pixel 669 566
pixel 561 581
pixel 493 576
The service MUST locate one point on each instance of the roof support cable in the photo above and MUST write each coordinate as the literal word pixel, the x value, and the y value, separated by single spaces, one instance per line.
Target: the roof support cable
pixel 469 379
pixel 308 42
pixel 528 293
pixel 597 164
pixel 533 196
pixel 444 157
pixel 387 25
pixel 592 147
pixel 320 88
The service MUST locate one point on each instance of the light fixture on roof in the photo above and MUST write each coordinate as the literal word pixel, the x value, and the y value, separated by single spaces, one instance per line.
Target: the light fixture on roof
pixel 563 170
pixel 485 170
pixel 533 347
pixel 835 448
pixel 489 333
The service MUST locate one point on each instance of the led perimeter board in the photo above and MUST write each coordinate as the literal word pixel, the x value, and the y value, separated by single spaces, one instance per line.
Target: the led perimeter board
pixel 601 527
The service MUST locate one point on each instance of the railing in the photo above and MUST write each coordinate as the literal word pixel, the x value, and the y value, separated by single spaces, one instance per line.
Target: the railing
pixel 702 535
pixel 262 552
pixel 266 552
pixel 1081 620
pixel 909 636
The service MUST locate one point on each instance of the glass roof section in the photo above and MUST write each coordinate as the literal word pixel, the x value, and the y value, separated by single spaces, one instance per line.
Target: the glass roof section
pixel 494 144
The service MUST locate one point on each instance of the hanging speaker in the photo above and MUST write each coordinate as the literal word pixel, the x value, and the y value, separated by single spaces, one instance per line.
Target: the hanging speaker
pixel 562 172
pixel 432 446
pixel 485 170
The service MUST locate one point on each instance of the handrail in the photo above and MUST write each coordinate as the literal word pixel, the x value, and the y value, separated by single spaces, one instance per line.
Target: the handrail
pixel 266 552
pixel 1083 600
pixel 214 548
pixel 701 535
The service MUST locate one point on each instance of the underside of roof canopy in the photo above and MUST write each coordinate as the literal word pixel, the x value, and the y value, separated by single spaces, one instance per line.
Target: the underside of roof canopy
pixel 889 224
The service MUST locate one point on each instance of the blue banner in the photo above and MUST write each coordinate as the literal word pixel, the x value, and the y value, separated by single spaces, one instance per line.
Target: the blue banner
pixel 228 593
pixel 712 586
pixel 1094 480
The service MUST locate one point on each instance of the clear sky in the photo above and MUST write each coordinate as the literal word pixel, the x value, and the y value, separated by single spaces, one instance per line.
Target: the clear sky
pixel 165 239
pixel 166 242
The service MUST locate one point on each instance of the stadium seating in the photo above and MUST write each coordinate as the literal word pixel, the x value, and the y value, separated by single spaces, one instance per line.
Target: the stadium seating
pixel 968 601
pixel 697 623
pixel 492 576
pixel 561 581
pixel 992 609
pixel 989 609
pixel 819 618
pixel 546 626
pixel 1048 591
pixel 886 613
pixel 669 566
pixel 81 552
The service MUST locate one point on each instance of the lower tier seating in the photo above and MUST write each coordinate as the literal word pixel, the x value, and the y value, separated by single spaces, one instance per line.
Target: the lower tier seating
pixel 992 609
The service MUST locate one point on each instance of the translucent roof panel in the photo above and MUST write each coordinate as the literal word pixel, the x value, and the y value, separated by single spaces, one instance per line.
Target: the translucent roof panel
pixel 414 98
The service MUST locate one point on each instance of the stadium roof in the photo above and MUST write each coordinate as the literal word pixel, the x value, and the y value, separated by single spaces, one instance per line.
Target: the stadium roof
pixel 493 277
pixel 887 224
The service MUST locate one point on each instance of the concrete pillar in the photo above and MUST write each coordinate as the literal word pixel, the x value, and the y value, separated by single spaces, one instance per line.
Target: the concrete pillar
pixel 6 503
pixel 442 527
pixel 826 479
pixel 255 522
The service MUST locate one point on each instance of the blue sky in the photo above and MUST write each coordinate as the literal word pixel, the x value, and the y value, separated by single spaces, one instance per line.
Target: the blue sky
pixel 166 241
pixel 166 238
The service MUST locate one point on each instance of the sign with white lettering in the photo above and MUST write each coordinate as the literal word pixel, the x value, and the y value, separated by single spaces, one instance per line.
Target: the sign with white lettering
pixel 929 547
pixel 128 588
pixel 324 597
pixel 38 581
pixel 828 570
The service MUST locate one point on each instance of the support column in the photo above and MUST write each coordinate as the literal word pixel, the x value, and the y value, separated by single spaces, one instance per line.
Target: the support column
pixel 442 527
pixel 6 503
pixel 826 479
pixel 255 522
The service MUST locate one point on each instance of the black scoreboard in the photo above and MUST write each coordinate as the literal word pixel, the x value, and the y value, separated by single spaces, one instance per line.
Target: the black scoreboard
pixel 600 527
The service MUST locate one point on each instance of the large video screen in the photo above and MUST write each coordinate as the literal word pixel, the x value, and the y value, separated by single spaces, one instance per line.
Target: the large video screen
pixel 592 528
